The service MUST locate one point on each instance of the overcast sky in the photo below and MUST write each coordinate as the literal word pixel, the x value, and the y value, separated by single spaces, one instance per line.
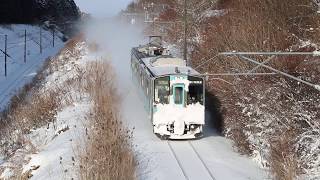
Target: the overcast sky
pixel 102 8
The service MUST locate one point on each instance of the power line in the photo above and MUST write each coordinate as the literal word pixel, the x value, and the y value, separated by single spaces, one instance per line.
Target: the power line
pixel 185 19
pixel 243 56
pixel 240 74
pixel 282 73
pixel 315 53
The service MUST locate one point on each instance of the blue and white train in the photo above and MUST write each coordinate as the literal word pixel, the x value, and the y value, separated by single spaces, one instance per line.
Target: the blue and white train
pixel 173 93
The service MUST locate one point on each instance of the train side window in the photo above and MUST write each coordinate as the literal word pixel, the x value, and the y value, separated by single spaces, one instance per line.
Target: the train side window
pixel 162 90
pixel 147 86
pixel 136 64
pixel 141 79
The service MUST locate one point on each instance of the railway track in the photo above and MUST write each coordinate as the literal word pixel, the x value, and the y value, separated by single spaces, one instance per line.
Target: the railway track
pixel 203 163
pixel 178 161
pixel 192 158
pixel 17 79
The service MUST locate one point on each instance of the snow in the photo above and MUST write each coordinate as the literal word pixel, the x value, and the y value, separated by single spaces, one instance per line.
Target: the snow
pixel 316 53
pixel 173 49
pixel 57 143
pixel 168 62
pixel 186 155
pixel 57 154
pixel 156 159
pixel 20 73
pixel 214 13
pixel 265 123
pixel 6 174
pixel 165 70
pixel 317 2
pixel 308 43
pixel 168 114
pixel 159 163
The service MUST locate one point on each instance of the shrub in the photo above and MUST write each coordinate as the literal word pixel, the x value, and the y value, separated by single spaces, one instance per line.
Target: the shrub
pixel 108 153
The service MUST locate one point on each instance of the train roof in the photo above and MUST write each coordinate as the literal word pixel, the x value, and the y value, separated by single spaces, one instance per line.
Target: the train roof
pixel 142 51
pixel 166 65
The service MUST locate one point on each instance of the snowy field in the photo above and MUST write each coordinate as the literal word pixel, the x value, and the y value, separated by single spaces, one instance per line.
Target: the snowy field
pixel 58 144
pixel 50 154
pixel 211 157
pixel 18 72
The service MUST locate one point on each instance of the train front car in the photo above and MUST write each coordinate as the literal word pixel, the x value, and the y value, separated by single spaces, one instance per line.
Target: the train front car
pixel 178 108
pixel 173 93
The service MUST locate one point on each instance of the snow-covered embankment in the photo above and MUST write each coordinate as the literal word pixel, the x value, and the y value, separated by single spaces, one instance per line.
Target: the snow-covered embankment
pixel 19 72
pixel 48 146
pixel 73 130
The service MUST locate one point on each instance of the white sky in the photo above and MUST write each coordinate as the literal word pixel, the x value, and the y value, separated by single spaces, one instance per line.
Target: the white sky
pixel 102 8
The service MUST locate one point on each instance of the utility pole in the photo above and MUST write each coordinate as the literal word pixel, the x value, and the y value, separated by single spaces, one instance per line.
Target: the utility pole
pixel 153 28
pixel 185 46
pixel 5 55
pixel 40 44
pixel 153 16
pixel 53 37
pixel 25 46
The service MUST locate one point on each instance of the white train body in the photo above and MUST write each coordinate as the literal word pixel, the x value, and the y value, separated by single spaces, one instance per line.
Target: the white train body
pixel 173 93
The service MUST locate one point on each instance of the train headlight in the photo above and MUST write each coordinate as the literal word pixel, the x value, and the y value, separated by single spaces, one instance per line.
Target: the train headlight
pixel 193 127
pixel 170 128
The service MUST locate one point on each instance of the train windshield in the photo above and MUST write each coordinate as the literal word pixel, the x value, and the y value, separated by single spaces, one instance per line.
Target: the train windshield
pixel 162 90
pixel 195 94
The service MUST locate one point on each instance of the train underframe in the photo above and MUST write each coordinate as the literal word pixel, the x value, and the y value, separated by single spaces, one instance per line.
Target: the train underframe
pixel 185 131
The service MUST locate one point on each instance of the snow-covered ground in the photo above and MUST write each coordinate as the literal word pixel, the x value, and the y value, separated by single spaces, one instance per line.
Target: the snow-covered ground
pixel 56 144
pixel 56 156
pixel 210 157
pixel 58 153
pixel 19 73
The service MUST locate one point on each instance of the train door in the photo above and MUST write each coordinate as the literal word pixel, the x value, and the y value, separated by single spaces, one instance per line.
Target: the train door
pixel 178 95
pixel 179 102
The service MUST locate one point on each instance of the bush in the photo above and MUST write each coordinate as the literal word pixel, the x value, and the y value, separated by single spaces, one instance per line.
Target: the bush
pixel 108 153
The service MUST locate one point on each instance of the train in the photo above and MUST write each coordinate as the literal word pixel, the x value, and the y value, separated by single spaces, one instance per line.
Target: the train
pixel 173 93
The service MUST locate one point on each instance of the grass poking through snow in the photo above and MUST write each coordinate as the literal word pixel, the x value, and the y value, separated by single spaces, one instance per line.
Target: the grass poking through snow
pixel 108 153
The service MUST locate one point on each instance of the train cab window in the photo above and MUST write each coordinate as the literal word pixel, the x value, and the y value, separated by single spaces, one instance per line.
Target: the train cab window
pixel 158 52
pixel 178 95
pixel 162 90
pixel 195 94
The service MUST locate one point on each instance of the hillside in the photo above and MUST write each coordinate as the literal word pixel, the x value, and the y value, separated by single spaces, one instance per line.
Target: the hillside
pixel 272 118
pixel 20 68
pixel 64 124
pixel 60 12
